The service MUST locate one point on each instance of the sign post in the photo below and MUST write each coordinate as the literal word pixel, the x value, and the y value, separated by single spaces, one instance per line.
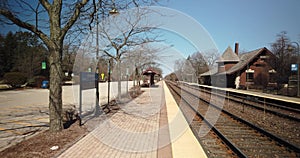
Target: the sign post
pixel 88 80
pixel 295 68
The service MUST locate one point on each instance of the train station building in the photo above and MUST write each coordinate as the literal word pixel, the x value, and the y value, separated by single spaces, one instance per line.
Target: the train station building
pixel 252 69
pixel 150 75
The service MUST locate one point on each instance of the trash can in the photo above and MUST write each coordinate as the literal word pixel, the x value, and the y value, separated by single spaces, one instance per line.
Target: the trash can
pixel 45 84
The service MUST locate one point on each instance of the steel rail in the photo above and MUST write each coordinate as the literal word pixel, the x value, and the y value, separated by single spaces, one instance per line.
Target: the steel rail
pixel 270 135
pixel 260 108
pixel 235 149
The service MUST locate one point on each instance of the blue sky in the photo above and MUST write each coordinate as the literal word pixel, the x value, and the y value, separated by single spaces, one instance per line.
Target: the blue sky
pixel 252 23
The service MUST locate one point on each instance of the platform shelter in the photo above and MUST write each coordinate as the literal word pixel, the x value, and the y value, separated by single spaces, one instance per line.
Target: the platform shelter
pixel 149 74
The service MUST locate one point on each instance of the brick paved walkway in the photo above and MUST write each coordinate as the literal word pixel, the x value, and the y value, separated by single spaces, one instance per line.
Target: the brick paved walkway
pixel 132 132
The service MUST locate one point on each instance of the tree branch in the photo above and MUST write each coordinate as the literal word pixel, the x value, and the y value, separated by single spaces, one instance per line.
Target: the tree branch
pixel 25 25
pixel 74 17
pixel 108 54
pixel 46 5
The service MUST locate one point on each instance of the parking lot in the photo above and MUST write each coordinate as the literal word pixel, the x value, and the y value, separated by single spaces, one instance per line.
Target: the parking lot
pixel 25 112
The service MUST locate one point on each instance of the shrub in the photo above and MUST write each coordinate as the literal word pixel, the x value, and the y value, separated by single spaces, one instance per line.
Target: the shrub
pixel 15 78
pixel 36 81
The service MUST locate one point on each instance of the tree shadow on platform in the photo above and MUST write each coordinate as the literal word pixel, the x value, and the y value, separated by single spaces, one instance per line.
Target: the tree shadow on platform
pixel 112 107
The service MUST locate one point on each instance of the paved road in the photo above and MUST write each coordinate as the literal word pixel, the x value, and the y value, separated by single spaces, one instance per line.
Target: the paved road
pixel 25 112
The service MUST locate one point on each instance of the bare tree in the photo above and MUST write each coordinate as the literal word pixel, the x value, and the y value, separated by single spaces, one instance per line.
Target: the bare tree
pixel 284 57
pixel 185 70
pixel 141 57
pixel 178 68
pixel 51 21
pixel 189 69
pixel 199 63
pixel 125 32
pixel 53 41
pixel 210 57
pixel 172 77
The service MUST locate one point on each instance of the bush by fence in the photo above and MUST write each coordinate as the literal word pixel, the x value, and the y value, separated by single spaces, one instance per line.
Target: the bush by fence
pixel 15 78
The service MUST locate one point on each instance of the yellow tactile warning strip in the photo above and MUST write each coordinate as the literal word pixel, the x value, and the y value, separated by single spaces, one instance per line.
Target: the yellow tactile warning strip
pixel 184 143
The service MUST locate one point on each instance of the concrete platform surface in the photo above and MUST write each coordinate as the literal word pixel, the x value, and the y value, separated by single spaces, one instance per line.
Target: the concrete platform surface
pixel 150 125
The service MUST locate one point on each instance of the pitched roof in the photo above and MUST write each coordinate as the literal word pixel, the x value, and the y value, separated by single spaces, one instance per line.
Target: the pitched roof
pixel 229 56
pixel 149 71
pixel 244 60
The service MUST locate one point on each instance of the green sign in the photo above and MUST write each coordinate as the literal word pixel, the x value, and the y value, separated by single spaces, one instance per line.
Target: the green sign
pixel 43 65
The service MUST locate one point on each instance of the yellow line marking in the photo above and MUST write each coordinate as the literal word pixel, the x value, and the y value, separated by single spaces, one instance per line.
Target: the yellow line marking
pixel 10 131
pixel 44 120
pixel 17 106
pixel 23 123
pixel 40 118
pixel 14 109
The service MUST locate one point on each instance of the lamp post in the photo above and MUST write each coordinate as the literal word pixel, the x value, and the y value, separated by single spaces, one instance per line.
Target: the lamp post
pixel 97 108
pixel 298 55
pixel 112 12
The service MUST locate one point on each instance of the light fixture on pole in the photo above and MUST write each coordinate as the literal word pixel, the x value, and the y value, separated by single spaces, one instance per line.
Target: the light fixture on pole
pixel 114 10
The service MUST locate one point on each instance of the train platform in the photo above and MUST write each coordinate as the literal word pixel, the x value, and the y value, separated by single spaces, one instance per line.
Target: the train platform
pixel 295 100
pixel 266 95
pixel 150 125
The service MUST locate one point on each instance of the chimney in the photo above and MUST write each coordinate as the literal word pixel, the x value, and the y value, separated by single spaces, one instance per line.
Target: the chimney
pixel 236 48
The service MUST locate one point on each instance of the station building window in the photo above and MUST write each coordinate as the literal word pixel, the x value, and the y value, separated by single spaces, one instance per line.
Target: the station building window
pixel 249 75
pixel 272 76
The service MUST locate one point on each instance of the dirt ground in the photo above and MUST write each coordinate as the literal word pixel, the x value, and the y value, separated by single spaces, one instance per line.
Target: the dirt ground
pixel 39 146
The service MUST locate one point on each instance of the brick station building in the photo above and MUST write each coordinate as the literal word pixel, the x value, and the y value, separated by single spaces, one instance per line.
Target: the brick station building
pixel 247 70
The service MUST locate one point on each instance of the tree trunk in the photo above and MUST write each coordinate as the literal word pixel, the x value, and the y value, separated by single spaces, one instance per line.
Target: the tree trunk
pixel 55 48
pixel 55 91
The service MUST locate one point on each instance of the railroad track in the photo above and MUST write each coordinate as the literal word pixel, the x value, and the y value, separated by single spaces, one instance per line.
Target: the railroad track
pixel 284 110
pixel 230 135
pixel 264 115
